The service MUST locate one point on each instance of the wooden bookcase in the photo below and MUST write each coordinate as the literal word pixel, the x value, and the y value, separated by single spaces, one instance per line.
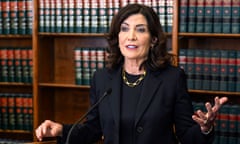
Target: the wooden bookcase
pixel 218 41
pixel 55 95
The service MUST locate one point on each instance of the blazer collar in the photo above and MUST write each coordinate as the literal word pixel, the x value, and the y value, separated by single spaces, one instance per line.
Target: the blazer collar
pixel 150 85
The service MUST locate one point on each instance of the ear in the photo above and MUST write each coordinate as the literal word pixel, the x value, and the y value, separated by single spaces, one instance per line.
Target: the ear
pixel 154 40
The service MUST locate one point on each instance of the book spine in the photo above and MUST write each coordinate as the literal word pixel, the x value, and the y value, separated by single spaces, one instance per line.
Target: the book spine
pixel 65 18
pixel 235 16
pixel 22 17
pixel 226 16
pixel 19 111
pixel 4 65
pixel 183 59
pixel 223 70
pixel 71 16
pixel 190 69
pixel 6 16
pixel 30 64
pixel 93 61
pixel 198 60
pixel 233 124
pixel 200 16
pixel 110 11
pixel 101 54
pixel 224 124
pixel 103 20
pixel 163 14
pixel 86 66
pixel 215 70
pixel 169 15
pixel 217 19
pixel 25 67
pixel 52 19
pixel 192 10
pixel 1 18
pixel 78 66
pixel 47 16
pixel 206 70
pixel 10 64
pixel 41 16
pixel 208 24
pixel 232 65
pixel 30 111
pixel 78 16
pixel 11 111
pixel 94 16
pixel 29 18
pixel 14 17
pixel 183 16
pixel 238 72
pixel 4 110
pixel 1 115
pixel 17 65
pixel 58 12
pixel 86 16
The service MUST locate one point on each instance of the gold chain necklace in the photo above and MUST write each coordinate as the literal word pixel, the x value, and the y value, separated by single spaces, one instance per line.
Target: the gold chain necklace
pixel 132 84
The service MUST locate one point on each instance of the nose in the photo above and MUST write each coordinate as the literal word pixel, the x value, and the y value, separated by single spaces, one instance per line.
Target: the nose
pixel 132 36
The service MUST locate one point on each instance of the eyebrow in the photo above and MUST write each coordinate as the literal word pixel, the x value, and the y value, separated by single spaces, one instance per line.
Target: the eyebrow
pixel 138 25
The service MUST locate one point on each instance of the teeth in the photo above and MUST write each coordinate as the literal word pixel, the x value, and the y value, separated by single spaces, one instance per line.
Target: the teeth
pixel 131 46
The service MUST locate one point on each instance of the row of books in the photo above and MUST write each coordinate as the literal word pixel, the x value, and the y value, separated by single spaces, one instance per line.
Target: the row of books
pixel 16 17
pixel 83 16
pixel 209 16
pixel 16 64
pixel 216 70
pixel 13 141
pixel 87 61
pixel 227 123
pixel 16 111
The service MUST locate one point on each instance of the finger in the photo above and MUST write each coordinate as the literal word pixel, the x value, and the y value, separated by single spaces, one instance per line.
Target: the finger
pixel 223 100
pixel 39 133
pixel 218 103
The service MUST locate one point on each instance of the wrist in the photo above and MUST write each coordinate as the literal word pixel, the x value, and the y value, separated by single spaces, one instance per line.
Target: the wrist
pixel 208 131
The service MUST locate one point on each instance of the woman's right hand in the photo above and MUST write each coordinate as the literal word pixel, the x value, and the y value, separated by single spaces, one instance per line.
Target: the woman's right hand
pixel 49 129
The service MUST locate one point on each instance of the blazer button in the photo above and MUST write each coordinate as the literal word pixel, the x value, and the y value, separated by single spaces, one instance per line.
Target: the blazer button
pixel 139 129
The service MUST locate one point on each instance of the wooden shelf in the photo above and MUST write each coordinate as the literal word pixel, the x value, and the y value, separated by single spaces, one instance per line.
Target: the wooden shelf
pixel 63 85
pixel 220 93
pixel 218 35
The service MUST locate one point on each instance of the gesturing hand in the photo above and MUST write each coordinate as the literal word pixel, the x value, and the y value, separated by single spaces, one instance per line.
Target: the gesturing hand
pixel 206 120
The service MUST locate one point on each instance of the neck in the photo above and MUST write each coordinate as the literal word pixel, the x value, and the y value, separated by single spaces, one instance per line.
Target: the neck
pixel 133 68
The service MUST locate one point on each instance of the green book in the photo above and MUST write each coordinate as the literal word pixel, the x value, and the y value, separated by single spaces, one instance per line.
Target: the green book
pixel 217 18
pixel 13 17
pixel 6 16
pixel 22 17
pixel 200 16
pixel 232 71
pixel 192 11
pixel 183 16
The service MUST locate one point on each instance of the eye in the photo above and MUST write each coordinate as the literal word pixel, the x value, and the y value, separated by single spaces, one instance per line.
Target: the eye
pixel 124 28
pixel 141 29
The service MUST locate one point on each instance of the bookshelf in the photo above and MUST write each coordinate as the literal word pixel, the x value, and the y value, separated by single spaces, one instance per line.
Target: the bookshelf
pixel 55 94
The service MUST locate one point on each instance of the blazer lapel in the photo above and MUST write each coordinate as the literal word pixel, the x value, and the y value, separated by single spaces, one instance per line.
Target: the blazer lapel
pixel 151 84
pixel 115 96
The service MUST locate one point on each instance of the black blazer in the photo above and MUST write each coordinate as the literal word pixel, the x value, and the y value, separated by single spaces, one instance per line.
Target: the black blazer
pixel 164 102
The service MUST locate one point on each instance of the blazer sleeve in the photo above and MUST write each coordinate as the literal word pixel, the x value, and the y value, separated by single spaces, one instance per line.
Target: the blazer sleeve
pixel 187 130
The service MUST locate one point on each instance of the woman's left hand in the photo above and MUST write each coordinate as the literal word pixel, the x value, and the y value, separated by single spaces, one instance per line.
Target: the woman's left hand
pixel 206 120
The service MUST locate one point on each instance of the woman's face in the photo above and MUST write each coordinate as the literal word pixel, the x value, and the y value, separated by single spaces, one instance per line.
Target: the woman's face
pixel 134 38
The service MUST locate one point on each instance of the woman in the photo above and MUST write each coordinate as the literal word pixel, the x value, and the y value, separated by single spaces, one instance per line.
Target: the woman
pixel 149 96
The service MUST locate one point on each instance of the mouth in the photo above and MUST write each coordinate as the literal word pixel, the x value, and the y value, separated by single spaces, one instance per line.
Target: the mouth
pixel 131 46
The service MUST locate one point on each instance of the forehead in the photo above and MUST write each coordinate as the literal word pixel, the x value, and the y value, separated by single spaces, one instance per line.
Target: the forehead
pixel 135 19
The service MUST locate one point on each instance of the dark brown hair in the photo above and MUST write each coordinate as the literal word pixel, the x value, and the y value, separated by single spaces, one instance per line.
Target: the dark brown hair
pixel 158 56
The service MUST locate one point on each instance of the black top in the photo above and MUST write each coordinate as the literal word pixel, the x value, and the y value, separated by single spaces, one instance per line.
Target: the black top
pixel 129 100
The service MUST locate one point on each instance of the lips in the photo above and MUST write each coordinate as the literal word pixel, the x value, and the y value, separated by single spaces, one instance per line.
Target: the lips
pixel 131 46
